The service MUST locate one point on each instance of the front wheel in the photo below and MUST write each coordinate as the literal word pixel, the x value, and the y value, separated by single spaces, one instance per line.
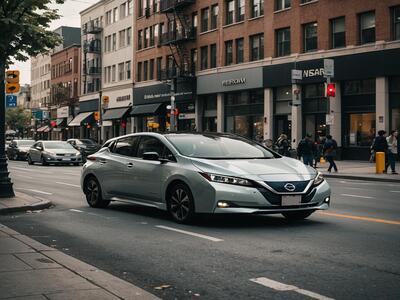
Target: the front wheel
pixel 93 194
pixel 297 215
pixel 30 162
pixel 44 162
pixel 181 204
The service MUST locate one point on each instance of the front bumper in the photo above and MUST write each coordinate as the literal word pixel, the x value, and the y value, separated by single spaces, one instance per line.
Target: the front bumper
pixel 63 160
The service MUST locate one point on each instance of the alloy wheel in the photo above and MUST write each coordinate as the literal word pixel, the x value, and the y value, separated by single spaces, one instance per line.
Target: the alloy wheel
pixel 92 192
pixel 180 204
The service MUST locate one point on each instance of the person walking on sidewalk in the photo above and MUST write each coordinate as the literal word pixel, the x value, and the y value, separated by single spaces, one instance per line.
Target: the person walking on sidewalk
pixel 392 150
pixel 283 145
pixel 380 144
pixel 306 150
pixel 330 148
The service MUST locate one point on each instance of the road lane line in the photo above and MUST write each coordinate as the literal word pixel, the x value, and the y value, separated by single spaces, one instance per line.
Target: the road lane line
pixel 210 238
pixel 23 176
pixel 395 191
pixel 391 222
pixel 31 170
pixel 69 184
pixel 356 196
pixel 74 174
pixel 35 191
pixel 282 287
pixel 76 210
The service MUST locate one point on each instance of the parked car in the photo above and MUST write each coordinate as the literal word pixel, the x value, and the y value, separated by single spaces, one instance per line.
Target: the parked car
pixel 18 149
pixel 84 146
pixel 189 173
pixel 53 152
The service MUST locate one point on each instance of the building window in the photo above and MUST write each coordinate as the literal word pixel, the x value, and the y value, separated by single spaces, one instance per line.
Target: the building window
pixel 213 56
pixel 240 10
pixel 239 51
pixel 204 19
pixel 194 20
pixel 310 40
pixel 214 16
pixel 139 72
pixel 396 22
pixel 367 27
pixel 145 70
pixel 151 28
pixel 140 8
pixel 204 57
pixel 230 12
pixel 122 11
pixel 113 71
pixel 128 36
pixel 257 8
pixel 128 69
pixel 115 15
pixel 159 66
pixel 108 17
pixel 140 39
pixel 228 53
pixel 338 33
pixel 121 71
pixel 130 7
pixel 306 1
pixel 161 32
pixel 193 58
pixel 114 41
pixel 151 70
pixel 122 38
pixel 282 4
pixel 146 37
pixel 257 47
pixel 283 42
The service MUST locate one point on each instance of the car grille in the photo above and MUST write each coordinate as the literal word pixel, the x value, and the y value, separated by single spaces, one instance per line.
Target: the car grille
pixel 276 199
pixel 279 186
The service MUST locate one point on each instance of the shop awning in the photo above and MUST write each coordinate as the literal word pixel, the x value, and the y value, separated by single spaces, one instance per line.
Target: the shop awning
pixel 60 121
pixel 115 113
pixel 145 109
pixel 43 129
pixel 80 118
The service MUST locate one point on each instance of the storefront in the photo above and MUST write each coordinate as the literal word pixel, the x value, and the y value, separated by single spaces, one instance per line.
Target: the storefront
pixel 150 110
pixel 241 105
pixel 282 112
pixel 86 120
pixel 394 103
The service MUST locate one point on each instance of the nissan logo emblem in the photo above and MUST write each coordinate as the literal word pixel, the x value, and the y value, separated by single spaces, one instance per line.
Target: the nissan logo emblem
pixel 290 187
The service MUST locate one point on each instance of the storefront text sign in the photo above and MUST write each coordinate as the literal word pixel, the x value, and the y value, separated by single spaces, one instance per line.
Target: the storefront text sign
pixel 237 81
pixel 63 112
pixel 123 98
pixel 313 72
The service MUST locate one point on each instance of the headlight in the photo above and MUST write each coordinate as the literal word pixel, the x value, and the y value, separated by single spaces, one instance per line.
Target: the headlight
pixel 78 154
pixel 48 154
pixel 318 179
pixel 227 179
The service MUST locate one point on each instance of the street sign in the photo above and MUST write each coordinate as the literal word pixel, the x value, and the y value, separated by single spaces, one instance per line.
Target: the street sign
pixel 296 95
pixel 330 119
pixel 11 101
pixel 329 68
pixel 297 74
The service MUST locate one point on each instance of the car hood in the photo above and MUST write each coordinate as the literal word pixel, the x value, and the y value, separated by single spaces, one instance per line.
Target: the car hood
pixel 62 151
pixel 287 169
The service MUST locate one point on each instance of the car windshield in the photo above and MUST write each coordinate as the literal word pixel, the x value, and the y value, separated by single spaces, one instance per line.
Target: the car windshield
pixel 25 143
pixel 56 145
pixel 217 147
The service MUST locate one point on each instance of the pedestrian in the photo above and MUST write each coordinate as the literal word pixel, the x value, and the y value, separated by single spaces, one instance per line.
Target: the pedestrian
pixel 393 150
pixel 306 150
pixel 319 145
pixel 380 144
pixel 283 145
pixel 330 148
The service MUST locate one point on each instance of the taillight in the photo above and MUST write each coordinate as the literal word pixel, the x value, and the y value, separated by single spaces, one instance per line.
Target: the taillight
pixel 91 157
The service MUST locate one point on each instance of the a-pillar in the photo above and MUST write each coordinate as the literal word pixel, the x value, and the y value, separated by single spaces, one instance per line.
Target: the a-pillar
pixel 382 104
pixel 268 114
pixel 335 129
pixel 220 113
pixel 199 114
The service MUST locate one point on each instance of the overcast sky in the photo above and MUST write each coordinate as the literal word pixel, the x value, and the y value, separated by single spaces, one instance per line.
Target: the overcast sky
pixel 69 12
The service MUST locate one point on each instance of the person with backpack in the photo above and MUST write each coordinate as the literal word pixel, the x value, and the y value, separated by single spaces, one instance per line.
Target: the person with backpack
pixel 283 145
pixel 392 150
pixel 306 150
pixel 330 148
pixel 380 144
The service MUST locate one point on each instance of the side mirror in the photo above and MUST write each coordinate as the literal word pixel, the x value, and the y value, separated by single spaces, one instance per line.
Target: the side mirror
pixel 151 156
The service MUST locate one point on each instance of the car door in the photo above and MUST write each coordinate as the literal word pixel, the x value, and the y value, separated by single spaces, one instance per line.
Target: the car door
pixel 11 149
pixel 36 151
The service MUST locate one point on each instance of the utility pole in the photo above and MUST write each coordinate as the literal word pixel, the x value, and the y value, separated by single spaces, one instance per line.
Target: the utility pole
pixel 173 109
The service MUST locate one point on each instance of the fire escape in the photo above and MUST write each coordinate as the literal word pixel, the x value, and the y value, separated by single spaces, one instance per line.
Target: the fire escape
pixel 179 32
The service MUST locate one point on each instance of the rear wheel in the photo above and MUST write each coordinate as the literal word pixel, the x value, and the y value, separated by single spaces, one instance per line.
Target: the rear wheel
pixel 15 156
pixel 181 203
pixel 30 162
pixel 76 164
pixel 297 215
pixel 93 194
pixel 44 162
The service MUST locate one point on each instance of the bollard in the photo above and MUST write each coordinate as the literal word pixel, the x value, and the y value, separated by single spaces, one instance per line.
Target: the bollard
pixel 380 162
pixel 322 160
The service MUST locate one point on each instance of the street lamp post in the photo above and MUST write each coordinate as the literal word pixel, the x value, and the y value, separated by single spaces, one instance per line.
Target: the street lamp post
pixel 6 186
pixel 172 113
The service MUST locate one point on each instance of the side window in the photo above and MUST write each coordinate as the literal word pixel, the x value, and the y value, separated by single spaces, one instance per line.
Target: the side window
pixel 39 145
pixel 168 155
pixel 150 144
pixel 124 146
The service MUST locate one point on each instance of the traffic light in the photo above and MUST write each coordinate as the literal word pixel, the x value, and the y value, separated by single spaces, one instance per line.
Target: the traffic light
pixel 12 82
pixel 330 90
pixel 97 115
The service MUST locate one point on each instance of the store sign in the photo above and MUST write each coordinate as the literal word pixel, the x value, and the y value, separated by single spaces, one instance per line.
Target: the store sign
pixel 123 98
pixel 236 81
pixel 186 116
pixel 313 72
pixel 63 112
pixel 159 93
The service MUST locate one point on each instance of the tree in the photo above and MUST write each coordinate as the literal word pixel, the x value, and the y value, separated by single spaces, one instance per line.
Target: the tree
pixel 17 118
pixel 24 32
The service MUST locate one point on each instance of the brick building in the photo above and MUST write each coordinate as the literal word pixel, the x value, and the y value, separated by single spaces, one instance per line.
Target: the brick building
pixel 233 61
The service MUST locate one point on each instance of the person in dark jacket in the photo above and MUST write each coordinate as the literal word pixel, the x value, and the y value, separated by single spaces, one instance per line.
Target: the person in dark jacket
pixel 306 150
pixel 380 144
pixel 283 145
pixel 330 148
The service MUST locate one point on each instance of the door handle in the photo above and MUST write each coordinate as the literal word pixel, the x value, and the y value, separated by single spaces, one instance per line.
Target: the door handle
pixel 129 165
pixel 103 161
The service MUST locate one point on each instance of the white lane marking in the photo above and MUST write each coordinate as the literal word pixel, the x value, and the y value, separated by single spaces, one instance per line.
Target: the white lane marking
pixel 35 191
pixel 31 170
pixel 76 210
pixel 356 196
pixel 367 183
pixel 395 191
pixel 210 238
pixel 23 176
pixel 278 286
pixel 69 184
pixel 74 174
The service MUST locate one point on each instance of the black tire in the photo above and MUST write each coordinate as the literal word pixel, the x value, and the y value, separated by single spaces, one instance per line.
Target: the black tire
pixel 76 164
pixel 15 156
pixel 297 215
pixel 44 162
pixel 180 204
pixel 30 162
pixel 92 190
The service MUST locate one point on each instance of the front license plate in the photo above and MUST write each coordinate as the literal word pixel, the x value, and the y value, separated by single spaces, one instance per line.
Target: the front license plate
pixel 291 200
pixel 67 159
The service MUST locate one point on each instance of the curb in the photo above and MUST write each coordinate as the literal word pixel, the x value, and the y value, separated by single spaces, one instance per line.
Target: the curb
pixel 42 204
pixel 363 178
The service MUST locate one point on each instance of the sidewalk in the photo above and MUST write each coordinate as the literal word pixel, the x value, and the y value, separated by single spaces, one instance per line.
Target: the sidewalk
pixel 22 202
pixel 31 270
pixel 359 170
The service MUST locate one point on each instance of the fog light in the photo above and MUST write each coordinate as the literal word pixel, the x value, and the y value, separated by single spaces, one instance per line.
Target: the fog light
pixel 327 199
pixel 223 204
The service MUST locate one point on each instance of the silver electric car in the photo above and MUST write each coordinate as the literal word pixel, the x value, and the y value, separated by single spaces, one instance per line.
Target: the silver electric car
pixel 53 152
pixel 189 173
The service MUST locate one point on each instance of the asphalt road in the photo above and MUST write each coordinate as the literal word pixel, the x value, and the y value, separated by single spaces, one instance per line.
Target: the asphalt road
pixel 351 251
